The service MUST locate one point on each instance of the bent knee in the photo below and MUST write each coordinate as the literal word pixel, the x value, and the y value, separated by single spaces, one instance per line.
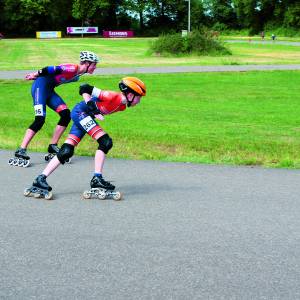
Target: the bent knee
pixel 65 117
pixel 105 143
pixel 38 123
pixel 66 152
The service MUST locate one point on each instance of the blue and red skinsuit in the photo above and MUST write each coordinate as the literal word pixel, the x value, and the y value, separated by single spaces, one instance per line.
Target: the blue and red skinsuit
pixel 42 89
pixel 83 119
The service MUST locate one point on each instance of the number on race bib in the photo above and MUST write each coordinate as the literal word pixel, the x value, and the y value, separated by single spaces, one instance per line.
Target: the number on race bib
pixel 88 123
pixel 38 110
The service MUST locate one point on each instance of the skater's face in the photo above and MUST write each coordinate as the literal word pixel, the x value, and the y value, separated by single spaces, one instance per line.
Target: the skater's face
pixel 91 67
pixel 133 99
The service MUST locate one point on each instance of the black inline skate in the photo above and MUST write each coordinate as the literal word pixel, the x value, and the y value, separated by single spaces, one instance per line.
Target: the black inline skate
pixel 53 149
pixel 39 189
pixel 21 158
pixel 102 189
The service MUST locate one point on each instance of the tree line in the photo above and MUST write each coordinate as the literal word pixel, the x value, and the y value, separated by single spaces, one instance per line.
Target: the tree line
pixel 147 18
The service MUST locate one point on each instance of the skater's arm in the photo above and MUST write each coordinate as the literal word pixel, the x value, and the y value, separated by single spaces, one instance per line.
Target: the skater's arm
pixel 89 89
pixel 53 70
pixel 86 97
pixel 93 108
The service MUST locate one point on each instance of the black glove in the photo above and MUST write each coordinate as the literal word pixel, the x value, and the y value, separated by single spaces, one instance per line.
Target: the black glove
pixel 93 107
pixel 85 88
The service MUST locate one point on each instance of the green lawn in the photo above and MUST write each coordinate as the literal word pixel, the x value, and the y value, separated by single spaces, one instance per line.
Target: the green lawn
pixel 248 118
pixel 20 54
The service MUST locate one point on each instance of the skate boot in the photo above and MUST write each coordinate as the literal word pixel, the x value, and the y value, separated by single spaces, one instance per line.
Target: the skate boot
pixel 39 189
pixel 21 158
pixel 102 189
pixel 53 149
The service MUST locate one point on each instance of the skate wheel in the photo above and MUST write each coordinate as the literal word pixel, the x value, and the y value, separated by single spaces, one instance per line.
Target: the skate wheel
pixel 37 195
pixel 47 158
pixel 10 161
pixel 68 160
pixel 117 196
pixel 27 192
pixel 26 163
pixel 48 196
pixel 21 162
pixel 15 162
pixel 86 195
pixel 101 195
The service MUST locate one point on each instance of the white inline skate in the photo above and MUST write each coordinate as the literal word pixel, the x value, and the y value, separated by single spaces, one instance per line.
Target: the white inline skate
pixel 21 159
pixel 102 190
pixel 39 189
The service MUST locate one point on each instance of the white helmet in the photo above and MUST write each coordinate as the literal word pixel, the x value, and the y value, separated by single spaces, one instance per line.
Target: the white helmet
pixel 88 56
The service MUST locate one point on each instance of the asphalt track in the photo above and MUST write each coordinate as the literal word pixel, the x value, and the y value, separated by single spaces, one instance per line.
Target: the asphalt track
pixel 20 74
pixel 183 231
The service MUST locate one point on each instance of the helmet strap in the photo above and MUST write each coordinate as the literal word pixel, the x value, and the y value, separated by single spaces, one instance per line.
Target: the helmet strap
pixel 88 66
pixel 129 102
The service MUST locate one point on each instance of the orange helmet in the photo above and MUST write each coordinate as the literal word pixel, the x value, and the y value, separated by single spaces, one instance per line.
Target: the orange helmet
pixel 132 85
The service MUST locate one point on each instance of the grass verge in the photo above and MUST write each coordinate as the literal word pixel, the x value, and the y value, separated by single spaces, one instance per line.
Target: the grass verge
pixel 31 54
pixel 247 118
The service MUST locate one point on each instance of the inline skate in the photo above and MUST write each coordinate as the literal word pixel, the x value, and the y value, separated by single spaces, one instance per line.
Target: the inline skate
pixel 53 149
pixel 39 189
pixel 102 189
pixel 21 159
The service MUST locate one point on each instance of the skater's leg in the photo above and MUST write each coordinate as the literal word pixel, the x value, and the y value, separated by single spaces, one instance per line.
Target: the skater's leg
pixel 27 138
pixel 52 166
pixel 39 94
pixel 99 161
pixel 105 144
pixel 65 153
pixel 58 105
pixel 61 126
pixel 33 129
pixel 59 130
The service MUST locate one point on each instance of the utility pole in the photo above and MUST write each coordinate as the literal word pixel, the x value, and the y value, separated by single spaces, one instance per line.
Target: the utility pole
pixel 189 15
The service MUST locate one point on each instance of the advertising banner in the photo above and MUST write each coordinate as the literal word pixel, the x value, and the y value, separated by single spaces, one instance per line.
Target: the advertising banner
pixel 48 34
pixel 81 30
pixel 117 33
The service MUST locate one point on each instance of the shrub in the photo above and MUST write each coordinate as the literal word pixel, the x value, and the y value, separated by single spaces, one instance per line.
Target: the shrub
pixel 200 42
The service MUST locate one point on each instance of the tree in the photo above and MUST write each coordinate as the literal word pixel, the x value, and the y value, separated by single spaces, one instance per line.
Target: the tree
pixel 292 15
pixel 85 9
pixel 138 7
pixel 221 12
pixel 16 13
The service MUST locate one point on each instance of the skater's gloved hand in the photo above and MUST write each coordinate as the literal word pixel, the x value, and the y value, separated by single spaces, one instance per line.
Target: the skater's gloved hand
pixel 93 107
pixel 31 76
pixel 85 88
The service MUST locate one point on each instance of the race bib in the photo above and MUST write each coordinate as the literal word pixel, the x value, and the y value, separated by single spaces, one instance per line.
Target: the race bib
pixel 87 123
pixel 38 110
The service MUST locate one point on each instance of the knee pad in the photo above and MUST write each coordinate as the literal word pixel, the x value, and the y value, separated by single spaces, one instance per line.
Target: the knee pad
pixel 66 151
pixel 105 143
pixel 37 123
pixel 65 117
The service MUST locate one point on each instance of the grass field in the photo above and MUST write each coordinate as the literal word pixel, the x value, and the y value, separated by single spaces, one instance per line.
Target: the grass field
pixel 250 118
pixel 21 54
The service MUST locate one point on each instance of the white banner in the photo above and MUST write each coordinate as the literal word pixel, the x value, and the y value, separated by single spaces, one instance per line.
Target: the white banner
pixel 80 30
